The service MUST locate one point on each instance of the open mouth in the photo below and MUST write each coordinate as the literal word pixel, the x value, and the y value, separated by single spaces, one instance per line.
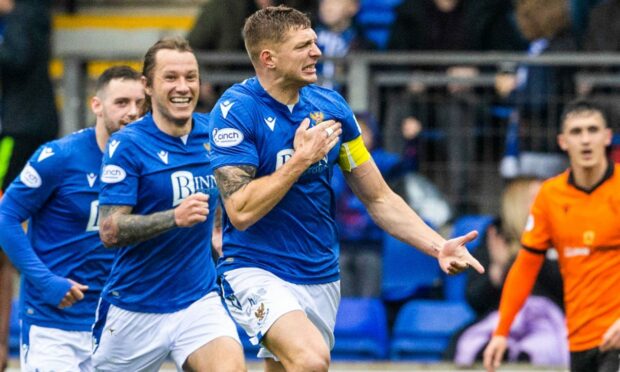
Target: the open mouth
pixel 180 100
pixel 310 68
pixel 587 153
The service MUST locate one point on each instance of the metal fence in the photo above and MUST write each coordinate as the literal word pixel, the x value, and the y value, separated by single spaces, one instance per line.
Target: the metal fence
pixel 465 121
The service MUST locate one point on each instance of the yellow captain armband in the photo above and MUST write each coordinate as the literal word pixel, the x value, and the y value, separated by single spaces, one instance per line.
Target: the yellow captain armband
pixel 353 154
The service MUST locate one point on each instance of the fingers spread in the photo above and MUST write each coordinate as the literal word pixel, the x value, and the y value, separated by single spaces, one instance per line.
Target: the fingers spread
pixel 470 236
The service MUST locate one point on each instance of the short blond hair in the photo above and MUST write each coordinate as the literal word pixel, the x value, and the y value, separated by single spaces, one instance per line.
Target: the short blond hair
pixel 270 26
pixel 516 201
pixel 542 18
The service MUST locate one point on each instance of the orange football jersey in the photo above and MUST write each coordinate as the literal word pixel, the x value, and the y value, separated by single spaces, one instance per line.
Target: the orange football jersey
pixel 584 227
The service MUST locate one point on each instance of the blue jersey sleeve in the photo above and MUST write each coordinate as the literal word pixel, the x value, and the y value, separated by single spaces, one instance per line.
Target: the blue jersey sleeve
pixel 39 179
pixel 350 128
pixel 233 141
pixel 21 253
pixel 119 173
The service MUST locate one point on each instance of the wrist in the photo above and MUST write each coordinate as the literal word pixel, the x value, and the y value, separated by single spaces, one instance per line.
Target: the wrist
pixel 174 220
pixel 296 165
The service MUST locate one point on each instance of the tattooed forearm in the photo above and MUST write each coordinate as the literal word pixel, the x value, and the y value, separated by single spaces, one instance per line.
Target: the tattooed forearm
pixel 232 178
pixel 119 228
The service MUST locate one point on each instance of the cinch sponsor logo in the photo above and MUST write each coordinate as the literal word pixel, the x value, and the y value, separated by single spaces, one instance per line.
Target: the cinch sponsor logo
pixel 576 251
pixel 227 137
pixel 113 174
pixel 184 184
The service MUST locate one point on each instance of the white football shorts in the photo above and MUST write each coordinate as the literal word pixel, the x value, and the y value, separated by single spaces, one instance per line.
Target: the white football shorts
pixel 131 341
pixel 256 298
pixel 46 349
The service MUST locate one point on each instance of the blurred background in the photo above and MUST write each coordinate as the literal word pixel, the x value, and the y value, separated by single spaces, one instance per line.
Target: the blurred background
pixel 458 100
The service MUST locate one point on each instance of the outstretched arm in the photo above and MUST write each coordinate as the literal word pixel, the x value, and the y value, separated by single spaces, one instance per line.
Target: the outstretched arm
pixel 120 228
pixel 394 216
pixel 248 199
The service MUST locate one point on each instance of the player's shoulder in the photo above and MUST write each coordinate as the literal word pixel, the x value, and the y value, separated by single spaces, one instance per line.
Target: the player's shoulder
pixel 135 131
pixel 240 96
pixel 553 185
pixel 314 90
pixel 325 98
pixel 75 143
pixel 201 119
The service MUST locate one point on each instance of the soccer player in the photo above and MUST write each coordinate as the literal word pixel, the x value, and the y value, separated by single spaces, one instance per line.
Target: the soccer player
pixel 275 140
pixel 577 213
pixel 62 260
pixel 157 201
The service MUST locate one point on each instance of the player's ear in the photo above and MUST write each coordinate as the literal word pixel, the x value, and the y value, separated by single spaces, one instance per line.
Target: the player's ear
pixel 267 58
pixel 96 105
pixel 562 142
pixel 608 136
pixel 147 89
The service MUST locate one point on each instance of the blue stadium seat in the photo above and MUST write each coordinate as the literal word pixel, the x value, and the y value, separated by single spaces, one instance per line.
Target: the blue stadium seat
pixel 383 4
pixel 361 330
pixel 14 329
pixel 376 18
pixel 406 270
pixel 379 36
pixel 423 329
pixel 383 17
pixel 454 285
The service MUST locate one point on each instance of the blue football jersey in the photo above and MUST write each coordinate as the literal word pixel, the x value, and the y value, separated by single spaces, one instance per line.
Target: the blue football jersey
pixel 297 239
pixel 58 190
pixel 152 171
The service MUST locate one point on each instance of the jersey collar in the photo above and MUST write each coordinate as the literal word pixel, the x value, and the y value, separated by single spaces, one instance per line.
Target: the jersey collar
pixel 608 174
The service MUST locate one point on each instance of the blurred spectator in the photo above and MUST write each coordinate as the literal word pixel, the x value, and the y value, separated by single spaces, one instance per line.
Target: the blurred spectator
pixel 454 25
pixel 537 91
pixel 28 114
pixel 219 24
pixel 360 237
pixel 538 335
pixel 452 109
pixel 338 34
pixel 580 15
pixel 603 35
pixel 218 27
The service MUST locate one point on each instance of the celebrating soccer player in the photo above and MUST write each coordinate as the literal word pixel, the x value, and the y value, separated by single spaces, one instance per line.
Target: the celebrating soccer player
pixel 157 202
pixel 275 140
pixel 62 261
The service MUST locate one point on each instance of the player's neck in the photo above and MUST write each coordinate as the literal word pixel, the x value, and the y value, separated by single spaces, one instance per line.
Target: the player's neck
pixel 587 178
pixel 285 93
pixel 171 128
pixel 101 135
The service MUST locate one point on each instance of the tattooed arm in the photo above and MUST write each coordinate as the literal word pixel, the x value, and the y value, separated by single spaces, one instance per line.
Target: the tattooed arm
pixel 119 227
pixel 247 199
